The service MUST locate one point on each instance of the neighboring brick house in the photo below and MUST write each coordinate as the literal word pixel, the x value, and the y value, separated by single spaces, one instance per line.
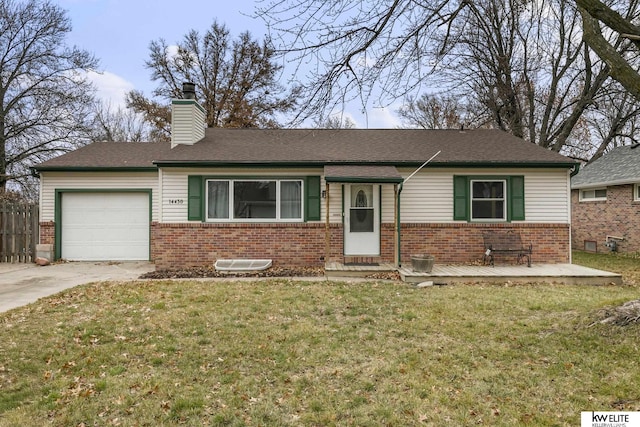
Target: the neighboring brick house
pixel 303 196
pixel 605 199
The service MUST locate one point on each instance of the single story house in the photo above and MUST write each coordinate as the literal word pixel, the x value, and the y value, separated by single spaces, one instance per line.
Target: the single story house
pixel 303 196
pixel 605 198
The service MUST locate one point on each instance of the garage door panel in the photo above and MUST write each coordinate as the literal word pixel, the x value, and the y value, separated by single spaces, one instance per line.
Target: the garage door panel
pixel 105 226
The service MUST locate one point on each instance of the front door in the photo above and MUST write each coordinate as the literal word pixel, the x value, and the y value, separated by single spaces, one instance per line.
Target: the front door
pixel 362 220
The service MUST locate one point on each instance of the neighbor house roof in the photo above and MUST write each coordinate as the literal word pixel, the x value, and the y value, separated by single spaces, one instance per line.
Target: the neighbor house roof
pixel 619 166
pixel 397 147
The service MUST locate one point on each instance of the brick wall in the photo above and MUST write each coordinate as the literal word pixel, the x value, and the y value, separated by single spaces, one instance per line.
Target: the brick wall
pixel 177 246
pixel 617 216
pixel 191 245
pixel 462 243
pixel 47 233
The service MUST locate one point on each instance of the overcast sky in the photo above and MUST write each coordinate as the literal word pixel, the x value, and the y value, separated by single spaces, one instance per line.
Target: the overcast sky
pixel 118 33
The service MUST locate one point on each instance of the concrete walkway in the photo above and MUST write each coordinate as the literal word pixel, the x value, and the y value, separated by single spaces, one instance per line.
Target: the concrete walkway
pixel 22 284
pixel 569 274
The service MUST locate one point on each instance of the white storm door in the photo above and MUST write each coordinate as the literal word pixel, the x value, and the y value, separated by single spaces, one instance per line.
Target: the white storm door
pixel 105 226
pixel 362 220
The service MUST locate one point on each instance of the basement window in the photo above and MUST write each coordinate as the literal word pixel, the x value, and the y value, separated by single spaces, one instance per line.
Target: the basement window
pixel 591 246
pixel 593 195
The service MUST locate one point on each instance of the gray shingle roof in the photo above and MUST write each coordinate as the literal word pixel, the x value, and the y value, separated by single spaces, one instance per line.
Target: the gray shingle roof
pixel 110 155
pixel 619 166
pixel 318 147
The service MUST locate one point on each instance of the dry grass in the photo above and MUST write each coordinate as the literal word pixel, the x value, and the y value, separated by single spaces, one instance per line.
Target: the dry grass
pixel 279 352
pixel 626 264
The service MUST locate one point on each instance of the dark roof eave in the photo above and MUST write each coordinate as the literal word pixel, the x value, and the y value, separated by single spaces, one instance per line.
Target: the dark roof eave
pixel 526 164
pixel 237 163
pixel 371 180
pixel 321 163
pixel 94 168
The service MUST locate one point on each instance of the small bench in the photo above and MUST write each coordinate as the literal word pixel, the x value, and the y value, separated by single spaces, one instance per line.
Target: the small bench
pixel 505 243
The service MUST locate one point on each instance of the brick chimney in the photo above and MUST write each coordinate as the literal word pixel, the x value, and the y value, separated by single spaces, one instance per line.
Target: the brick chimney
pixel 187 118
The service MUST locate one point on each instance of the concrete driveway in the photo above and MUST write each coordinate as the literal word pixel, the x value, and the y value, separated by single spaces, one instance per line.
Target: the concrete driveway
pixel 22 284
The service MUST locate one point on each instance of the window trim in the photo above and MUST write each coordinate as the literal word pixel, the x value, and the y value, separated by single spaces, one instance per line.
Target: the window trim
pixel 231 180
pixel 636 192
pixel 504 199
pixel 582 198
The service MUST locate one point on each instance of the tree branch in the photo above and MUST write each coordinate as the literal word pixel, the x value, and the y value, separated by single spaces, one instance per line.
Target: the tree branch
pixel 620 69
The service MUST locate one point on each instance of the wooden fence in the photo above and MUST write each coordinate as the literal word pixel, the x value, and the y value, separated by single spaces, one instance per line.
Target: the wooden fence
pixel 18 232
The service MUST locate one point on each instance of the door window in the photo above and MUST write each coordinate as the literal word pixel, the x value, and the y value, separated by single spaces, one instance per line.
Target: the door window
pixel 361 212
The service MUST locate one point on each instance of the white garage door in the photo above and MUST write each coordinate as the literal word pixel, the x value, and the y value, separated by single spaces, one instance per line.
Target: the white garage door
pixel 105 226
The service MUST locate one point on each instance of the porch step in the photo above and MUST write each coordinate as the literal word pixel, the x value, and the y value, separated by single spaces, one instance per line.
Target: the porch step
pixel 335 270
pixel 362 260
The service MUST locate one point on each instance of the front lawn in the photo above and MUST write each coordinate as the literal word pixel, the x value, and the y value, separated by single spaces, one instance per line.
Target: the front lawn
pixel 626 264
pixel 280 352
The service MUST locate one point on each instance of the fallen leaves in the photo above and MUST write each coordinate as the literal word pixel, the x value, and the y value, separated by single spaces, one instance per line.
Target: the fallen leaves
pixel 79 387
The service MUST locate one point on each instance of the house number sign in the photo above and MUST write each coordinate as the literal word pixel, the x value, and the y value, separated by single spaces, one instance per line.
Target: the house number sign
pixel 176 201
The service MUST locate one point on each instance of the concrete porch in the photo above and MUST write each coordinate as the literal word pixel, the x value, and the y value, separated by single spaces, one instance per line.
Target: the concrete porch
pixel 448 274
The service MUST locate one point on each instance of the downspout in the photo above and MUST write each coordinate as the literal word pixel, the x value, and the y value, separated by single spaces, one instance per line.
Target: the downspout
pixel 327 228
pixel 398 205
pixel 575 170
pixel 572 172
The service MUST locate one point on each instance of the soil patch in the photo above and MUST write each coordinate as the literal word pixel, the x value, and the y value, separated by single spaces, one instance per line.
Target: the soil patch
pixel 204 272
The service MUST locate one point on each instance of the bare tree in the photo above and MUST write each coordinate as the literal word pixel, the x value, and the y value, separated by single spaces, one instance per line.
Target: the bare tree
pixel 14 197
pixel 615 121
pixel 156 115
pixel 118 124
pixel 527 65
pixel 45 97
pixel 237 80
pixel 334 121
pixel 622 58
pixel 434 112
pixel 524 62
pixel 528 69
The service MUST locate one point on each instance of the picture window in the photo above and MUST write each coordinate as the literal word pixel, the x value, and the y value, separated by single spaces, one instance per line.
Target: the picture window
pixel 254 200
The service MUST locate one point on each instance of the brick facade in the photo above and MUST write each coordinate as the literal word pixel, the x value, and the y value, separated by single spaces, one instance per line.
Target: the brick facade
pixel 47 232
pixel 191 245
pixel 462 243
pixel 618 216
pixel 185 245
